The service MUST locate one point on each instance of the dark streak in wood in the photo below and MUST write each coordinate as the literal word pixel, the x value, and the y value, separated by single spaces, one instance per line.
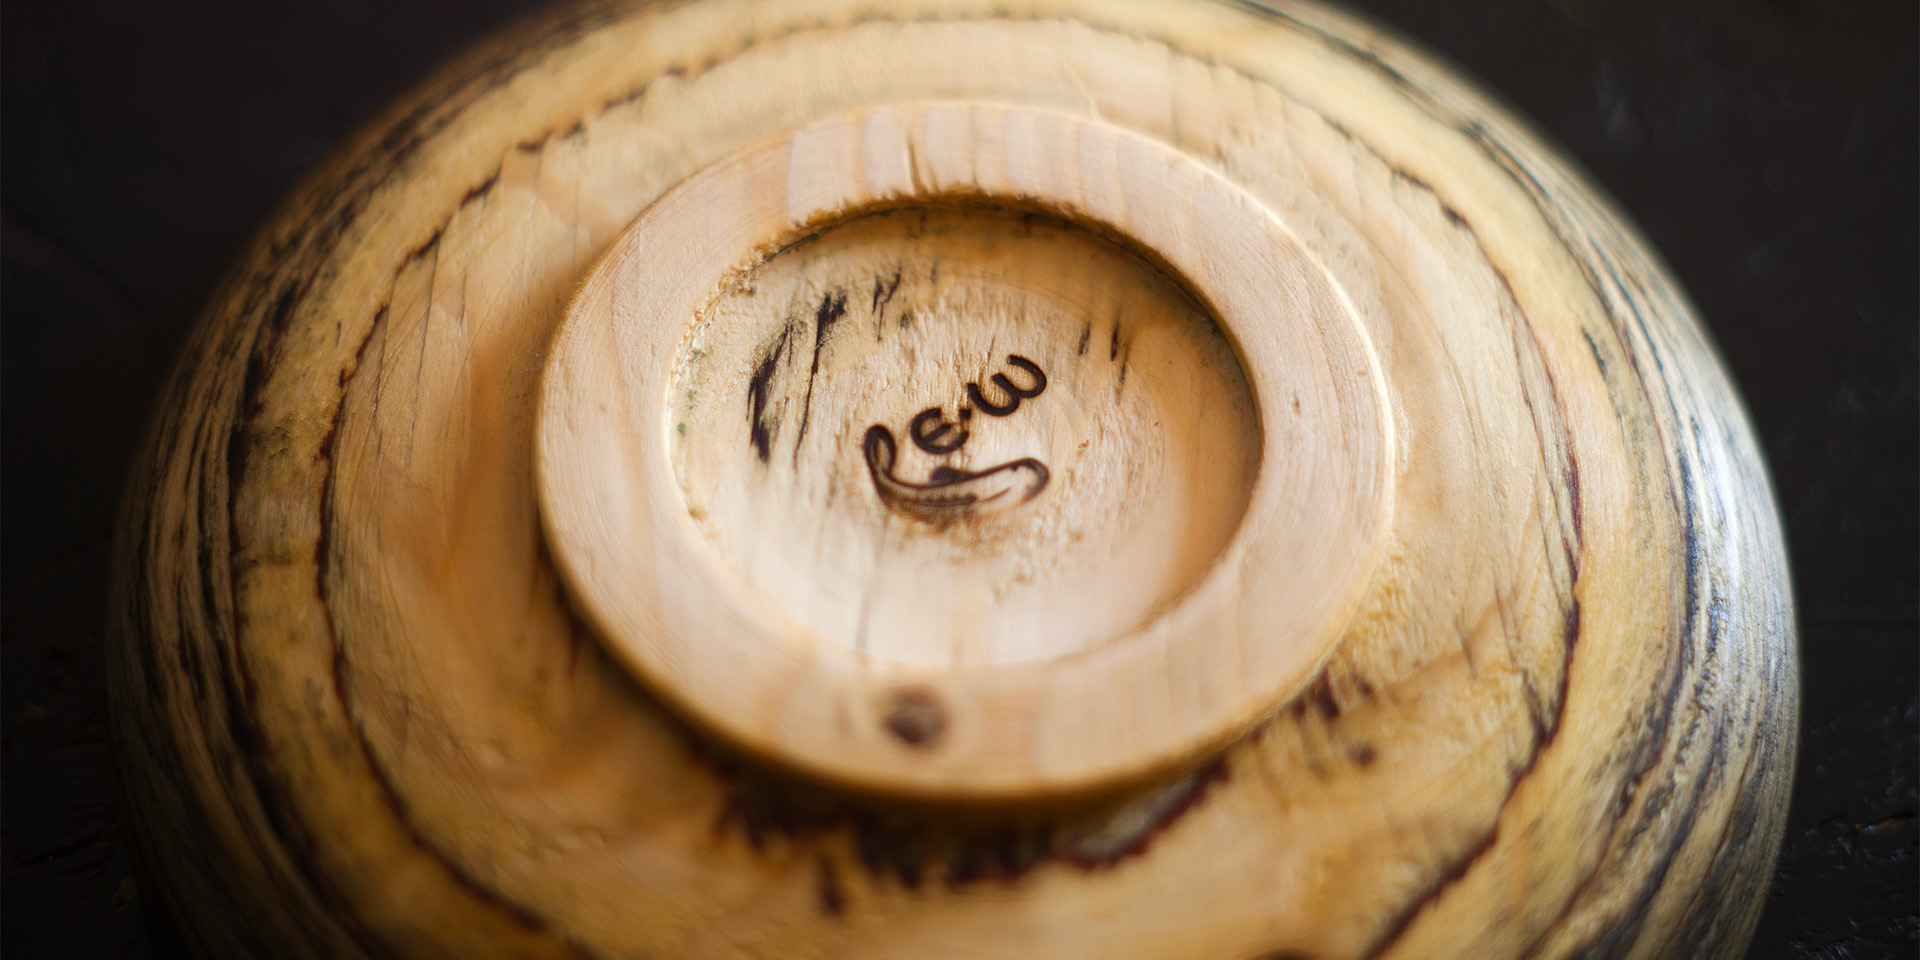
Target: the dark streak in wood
pixel 479 190
pixel 425 249
pixel 901 853
pixel 1090 852
pixel 759 430
pixel 903 841
pixel 833 900
pixel 1320 694
pixel 883 292
pixel 833 306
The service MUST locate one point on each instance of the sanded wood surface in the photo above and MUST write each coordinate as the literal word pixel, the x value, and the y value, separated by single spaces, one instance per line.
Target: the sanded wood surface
pixel 360 714
pixel 1042 553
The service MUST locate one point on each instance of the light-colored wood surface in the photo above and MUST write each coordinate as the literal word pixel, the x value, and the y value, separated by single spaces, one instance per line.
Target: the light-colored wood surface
pixel 367 702
pixel 1061 640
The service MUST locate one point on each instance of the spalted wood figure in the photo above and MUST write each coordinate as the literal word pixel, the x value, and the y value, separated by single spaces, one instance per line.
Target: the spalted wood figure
pixel 926 478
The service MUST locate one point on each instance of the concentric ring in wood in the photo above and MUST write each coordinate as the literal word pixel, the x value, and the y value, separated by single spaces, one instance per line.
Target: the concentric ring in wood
pixel 1186 681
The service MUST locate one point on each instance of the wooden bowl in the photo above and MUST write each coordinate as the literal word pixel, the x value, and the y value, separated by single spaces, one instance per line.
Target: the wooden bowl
pixel 947 478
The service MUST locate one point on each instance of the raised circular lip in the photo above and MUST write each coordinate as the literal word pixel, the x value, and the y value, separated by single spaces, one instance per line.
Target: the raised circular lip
pixel 1245 637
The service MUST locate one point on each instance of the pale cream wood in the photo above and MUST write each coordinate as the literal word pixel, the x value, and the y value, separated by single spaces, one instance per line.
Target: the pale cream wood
pixel 360 710
pixel 1136 697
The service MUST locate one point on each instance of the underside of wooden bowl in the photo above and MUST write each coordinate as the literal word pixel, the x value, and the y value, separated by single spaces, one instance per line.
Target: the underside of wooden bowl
pixel 946 478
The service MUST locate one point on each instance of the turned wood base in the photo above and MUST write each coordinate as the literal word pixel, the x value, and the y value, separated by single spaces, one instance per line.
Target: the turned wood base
pixel 936 478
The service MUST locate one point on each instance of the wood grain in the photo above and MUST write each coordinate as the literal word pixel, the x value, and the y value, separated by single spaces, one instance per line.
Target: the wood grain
pixel 359 716
pixel 1074 700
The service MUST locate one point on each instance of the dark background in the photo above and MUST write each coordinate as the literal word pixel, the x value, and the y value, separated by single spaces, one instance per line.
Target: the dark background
pixel 1768 149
